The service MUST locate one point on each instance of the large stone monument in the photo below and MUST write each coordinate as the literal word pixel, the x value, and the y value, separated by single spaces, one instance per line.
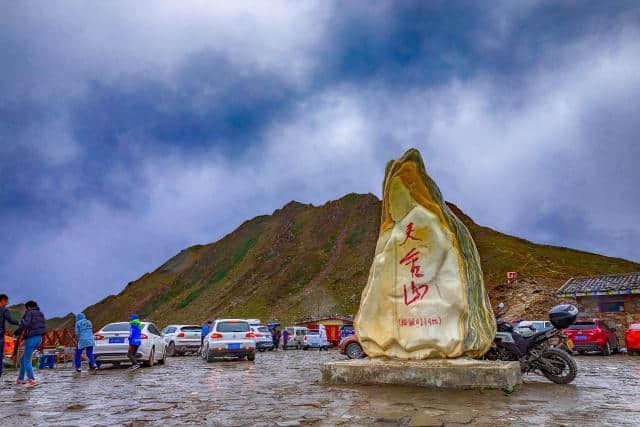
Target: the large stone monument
pixel 425 296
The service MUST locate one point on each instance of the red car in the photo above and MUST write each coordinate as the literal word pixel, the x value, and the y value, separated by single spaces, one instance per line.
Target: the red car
pixel 351 347
pixel 593 335
pixel 632 339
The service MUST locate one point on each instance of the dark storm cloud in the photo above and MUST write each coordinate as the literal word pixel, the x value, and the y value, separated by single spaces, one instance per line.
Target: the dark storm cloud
pixel 129 133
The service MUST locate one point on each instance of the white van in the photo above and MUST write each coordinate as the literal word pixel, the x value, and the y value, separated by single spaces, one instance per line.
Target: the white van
pixel 296 337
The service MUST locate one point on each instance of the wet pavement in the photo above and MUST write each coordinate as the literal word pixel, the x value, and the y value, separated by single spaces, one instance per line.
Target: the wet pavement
pixel 282 388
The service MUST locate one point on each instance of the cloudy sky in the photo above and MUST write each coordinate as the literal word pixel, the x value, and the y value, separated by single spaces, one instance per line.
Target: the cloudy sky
pixel 131 130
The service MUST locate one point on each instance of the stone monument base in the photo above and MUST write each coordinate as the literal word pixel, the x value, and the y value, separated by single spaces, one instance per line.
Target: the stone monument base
pixel 460 373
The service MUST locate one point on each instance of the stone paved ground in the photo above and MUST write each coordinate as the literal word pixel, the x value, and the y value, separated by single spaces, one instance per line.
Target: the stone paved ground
pixel 281 388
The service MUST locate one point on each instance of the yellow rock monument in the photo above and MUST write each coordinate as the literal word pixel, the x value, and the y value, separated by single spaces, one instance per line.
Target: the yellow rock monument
pixel 425 296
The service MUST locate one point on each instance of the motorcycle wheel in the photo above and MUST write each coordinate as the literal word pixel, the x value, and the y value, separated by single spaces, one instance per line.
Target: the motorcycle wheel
pixel 563 362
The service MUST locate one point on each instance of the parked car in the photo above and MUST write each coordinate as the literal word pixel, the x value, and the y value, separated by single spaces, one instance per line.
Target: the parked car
pixel 181 339
pixel 346 331
pixel 351 347
pixel 229 338
pixel 296 337
pixel 593 335
pixel 632 339
pixel 112 344
pixel 262 338
pixel 316 338
pixel 526 328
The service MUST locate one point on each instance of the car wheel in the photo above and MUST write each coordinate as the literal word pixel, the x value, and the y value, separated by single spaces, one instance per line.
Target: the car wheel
pixel 353 351
pixel 149 363
pixel 305 348
pixel 164 357
pixel 251 357
pixel 210 355
pixel 606 351
pixel 171 351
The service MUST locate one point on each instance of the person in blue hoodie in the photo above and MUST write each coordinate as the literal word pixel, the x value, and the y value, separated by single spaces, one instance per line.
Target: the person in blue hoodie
pixel 84 335
pixel 205 330
pixel 135 333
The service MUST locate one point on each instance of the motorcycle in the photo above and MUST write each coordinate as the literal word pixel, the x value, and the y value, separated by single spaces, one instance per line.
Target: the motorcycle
pixel 542 352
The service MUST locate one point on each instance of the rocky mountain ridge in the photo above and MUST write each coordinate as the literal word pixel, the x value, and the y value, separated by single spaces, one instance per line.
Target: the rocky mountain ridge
pixel 305 260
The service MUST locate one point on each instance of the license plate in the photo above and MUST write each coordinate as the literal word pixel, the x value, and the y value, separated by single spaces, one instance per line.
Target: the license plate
pixel 581 337
pixel 116 340
pixel 233 346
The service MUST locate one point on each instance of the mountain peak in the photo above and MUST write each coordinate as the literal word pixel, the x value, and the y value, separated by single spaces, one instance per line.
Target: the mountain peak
pixel 306 259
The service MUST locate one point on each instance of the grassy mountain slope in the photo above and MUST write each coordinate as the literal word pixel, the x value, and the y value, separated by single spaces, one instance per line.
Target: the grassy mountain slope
pixel 305 260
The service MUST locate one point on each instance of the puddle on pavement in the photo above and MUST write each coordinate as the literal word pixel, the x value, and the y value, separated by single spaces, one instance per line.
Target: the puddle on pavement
pixel 283 388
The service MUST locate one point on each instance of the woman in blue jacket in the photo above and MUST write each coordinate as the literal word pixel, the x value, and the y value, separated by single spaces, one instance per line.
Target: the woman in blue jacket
pixel 32 328
pixel 84 335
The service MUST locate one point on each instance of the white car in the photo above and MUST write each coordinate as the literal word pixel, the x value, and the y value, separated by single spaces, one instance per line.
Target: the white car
pixel 262 338
pixel 229 338
pixel 295 338
pixel 526 328
pixel 181 339
pixel 112 344
pixel 316 338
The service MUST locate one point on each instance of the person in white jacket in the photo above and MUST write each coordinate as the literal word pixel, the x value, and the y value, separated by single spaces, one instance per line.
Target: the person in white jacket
pixel 324 342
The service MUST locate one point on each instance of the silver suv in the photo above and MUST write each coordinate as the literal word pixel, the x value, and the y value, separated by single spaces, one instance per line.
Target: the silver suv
pixel 229 338
pixel 181 339
pixel 262 338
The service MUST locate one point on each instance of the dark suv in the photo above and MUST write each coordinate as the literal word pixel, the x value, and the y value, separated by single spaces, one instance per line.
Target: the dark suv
pixel 593 335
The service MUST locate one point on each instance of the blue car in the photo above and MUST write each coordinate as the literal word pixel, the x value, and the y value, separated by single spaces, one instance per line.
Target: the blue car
pixel 346 331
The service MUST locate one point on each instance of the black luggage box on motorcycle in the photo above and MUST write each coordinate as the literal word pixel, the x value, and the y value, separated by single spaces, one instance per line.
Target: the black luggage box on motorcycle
pixel 562 316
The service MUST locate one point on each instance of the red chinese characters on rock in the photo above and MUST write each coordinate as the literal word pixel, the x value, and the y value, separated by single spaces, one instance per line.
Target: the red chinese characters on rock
pixel 408 234
pixel 416 291
pixel 419 322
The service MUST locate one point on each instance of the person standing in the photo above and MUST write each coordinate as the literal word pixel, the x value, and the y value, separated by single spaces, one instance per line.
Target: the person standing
pixel 5 316
pixel 32 327
pixel 285 338
pixel 205 331
pixel 84 335
pixel 276 337
pixel 135 334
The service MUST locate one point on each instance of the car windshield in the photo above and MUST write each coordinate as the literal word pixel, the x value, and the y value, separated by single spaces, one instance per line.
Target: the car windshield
pixel 191 329
pixel 263 329
pixel 583 325
pixel 233 327
pixel 634 326
pixel 313 332
pixel 116 327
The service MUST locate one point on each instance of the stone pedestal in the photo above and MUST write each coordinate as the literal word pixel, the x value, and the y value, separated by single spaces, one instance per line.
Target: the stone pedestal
pixel 460 373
